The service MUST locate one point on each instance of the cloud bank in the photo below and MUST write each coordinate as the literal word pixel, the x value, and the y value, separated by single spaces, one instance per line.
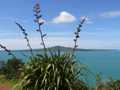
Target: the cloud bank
pixel 110 14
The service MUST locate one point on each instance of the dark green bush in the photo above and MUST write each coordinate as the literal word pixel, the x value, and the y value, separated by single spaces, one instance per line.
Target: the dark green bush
pixel 110 84
pixel 53 72
pixel 11 69
pixel 114 84
pixel 2 63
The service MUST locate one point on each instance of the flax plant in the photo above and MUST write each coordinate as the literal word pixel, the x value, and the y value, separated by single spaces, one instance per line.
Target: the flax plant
pixel 55 70
pixel 52 73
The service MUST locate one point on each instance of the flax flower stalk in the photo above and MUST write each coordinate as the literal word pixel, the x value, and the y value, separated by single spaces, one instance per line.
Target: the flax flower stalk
pixel 39 21
pixel 77 35
pixel 25 37
pixel 7 50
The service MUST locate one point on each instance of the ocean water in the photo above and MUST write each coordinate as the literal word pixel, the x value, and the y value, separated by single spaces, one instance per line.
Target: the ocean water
pixel 107 63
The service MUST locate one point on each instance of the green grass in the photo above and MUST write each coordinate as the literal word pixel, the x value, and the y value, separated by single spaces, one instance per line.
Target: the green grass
pixel 2 79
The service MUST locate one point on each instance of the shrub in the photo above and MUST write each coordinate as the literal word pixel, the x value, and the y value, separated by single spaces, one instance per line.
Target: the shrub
pixel 114 84
pixel 109 84
pixel 53 72
pixel 2 63
pixel 11 69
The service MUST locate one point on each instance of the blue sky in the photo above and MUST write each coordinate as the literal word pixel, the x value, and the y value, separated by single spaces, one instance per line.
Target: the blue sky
pixel 101 30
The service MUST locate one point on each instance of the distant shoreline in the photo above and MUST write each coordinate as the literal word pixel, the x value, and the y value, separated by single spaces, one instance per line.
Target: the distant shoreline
pixel 62 48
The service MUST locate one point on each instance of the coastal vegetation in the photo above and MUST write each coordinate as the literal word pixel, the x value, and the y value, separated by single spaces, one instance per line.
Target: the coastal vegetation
pixel 51 70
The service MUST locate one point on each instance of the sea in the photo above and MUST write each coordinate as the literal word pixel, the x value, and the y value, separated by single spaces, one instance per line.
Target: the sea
pixel 104 62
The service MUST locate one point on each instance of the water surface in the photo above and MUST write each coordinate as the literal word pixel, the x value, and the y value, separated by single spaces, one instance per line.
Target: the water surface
pixel 105 62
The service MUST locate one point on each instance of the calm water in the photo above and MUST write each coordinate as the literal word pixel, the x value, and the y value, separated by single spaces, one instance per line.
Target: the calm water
pixel 105 62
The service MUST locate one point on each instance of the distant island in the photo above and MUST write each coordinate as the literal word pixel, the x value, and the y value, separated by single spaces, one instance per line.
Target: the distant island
pixel 63 48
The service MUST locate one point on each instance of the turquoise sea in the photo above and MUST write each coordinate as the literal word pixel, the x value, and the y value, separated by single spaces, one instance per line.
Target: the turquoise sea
pixel 106 62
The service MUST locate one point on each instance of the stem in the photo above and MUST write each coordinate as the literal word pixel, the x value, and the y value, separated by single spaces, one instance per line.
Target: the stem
pixel 75 46
pixel 31 51
pixel 41 34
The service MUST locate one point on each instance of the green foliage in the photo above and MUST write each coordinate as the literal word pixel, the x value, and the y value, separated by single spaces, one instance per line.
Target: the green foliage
pixel 109 84
pixel 52 72
pixel 98 79
pixel 11 69
pixel 114 84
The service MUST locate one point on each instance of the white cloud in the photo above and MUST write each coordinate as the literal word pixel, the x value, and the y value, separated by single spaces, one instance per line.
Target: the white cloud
pixel 18 43
pixel 62 41
pixel 64 17
pixel 110 14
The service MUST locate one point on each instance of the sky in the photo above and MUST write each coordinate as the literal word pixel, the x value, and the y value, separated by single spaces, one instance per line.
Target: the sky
pixel 100 31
